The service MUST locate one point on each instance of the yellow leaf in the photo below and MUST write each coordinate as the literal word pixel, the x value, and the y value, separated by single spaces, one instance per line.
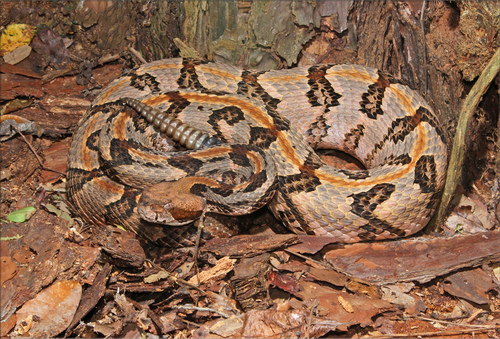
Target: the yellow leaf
pixel 16 35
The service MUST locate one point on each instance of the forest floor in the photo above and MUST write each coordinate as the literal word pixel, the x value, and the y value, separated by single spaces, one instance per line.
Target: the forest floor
pixel 63 277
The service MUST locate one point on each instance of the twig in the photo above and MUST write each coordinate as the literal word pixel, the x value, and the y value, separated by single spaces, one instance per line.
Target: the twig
pixel 309 319
pixel 452 323
pixel 437 333
pixel 137 54
pixel 36 154
pixel 108 58
pixel 422 27
pixel 201 225
pixel 454 172
pixel 197 308
pixel 177 279
pixel 474 315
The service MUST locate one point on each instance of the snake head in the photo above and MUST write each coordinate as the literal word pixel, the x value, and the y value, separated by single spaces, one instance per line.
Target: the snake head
pixel 170 203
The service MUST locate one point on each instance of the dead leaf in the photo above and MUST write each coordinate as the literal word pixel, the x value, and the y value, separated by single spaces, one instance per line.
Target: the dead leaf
pixel 311 244
pixel 61 214
pixel 396 294
pixel 222 303
pixel 48 42
pixel 287 324
pixel 15 105
pixel 54 308
pixel 9 269
pixel 228 327
pixel 9 123
pixel 14 36
pixel 363 308
pixel 17 55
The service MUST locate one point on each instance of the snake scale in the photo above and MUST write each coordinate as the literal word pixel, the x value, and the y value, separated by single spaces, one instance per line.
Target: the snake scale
pixel 256 136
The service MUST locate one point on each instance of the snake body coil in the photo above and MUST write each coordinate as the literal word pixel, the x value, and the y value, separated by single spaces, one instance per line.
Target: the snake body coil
pixel 251 138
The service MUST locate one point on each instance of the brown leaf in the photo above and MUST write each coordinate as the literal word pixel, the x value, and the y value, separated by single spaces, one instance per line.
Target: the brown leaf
pixel 289 324
pixel 312 244
pixel 222 303
pixel 51 310
pixel 228 327
pixel 47 42
pixel 17 55
pixel 9 269
pixel 6 68
pixel 363 308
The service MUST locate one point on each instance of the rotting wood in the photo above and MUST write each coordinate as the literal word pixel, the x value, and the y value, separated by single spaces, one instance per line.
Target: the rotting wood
pixel 419 259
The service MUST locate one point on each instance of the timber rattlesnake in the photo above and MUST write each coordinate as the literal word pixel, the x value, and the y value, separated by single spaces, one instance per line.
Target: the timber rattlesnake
pixel 263 128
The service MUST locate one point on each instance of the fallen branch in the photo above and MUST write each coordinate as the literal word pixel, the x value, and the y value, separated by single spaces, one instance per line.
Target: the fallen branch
pixel 455 165
pixel 439 334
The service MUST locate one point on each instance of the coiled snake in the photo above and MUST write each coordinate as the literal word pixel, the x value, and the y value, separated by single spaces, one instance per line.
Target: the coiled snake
pixel 251 139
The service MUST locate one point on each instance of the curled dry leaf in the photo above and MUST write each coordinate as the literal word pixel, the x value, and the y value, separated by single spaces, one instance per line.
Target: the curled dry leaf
pixel 53 308
pixel 48 42
pixel 10 125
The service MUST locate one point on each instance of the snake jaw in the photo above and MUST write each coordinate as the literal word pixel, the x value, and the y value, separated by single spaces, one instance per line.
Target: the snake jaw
pixel 158 214
pixel 163 204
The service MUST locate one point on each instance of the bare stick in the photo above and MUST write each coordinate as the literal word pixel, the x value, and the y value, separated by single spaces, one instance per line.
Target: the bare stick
pixel 137 54
pixel 36 154
pixel 455 165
